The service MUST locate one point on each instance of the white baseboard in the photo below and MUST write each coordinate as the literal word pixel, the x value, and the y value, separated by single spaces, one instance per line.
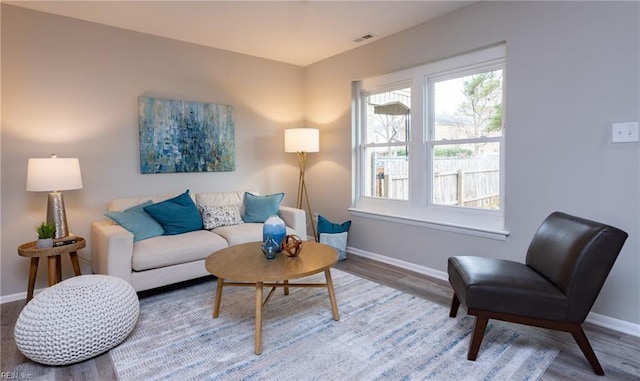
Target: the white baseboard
pixel 85 268
pixel 605 321
pixel 614 324
pixel 19 296
pixel 399 263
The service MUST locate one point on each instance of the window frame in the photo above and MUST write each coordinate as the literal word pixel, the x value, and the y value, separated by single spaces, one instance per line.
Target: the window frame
pixel 419 208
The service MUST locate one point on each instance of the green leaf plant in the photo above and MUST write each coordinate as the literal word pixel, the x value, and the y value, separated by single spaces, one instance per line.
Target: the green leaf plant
pixel 45 230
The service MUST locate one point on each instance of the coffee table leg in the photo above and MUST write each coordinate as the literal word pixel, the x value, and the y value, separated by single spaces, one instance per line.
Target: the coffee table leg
pixel 216 303
pixel 286 287
pixel 33 269
pixel 332 295
pixel 258 335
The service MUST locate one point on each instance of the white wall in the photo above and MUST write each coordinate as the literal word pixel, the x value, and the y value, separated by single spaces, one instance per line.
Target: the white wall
pixel 71 87
pixel 572 70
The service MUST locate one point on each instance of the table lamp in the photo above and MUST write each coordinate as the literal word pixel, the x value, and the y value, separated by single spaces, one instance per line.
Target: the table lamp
pixel 54 175
pixel 302 141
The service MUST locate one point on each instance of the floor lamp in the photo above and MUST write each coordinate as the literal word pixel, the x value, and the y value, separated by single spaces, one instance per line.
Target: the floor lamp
pixel 302 141
pixel 54 175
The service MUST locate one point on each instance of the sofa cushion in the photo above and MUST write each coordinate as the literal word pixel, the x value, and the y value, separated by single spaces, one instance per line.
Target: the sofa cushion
pixel 247 232
pixel 137 221
pixel 259 208
pixel 176 215
pixel 167 250
pixel 224 215
pixel 222 198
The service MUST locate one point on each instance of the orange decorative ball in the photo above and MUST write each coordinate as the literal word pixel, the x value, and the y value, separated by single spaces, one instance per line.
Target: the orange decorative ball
pixel 292 245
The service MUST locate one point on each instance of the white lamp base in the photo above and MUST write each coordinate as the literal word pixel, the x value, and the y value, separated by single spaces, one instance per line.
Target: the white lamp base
pixel 57 215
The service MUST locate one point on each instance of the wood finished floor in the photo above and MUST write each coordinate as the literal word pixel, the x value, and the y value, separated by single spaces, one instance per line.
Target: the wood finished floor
pixel 618 353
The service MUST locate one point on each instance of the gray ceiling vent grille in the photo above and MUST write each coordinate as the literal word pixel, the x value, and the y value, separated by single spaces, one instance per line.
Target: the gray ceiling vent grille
pixel 364 37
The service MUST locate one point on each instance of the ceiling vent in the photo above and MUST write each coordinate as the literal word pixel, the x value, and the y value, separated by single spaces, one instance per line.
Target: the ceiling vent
pixel 364 37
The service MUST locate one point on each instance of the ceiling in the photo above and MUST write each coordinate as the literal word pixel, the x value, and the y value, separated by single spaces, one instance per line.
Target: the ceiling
pixel 295 32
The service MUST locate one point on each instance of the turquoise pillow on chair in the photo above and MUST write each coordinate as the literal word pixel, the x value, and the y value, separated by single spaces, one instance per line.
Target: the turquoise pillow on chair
pixel 259 208
pixel 137 221
pixel 176 215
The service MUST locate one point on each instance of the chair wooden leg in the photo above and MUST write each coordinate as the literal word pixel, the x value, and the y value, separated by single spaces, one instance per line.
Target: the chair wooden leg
pixel 476 340
pixel 455 303
pixel 578 335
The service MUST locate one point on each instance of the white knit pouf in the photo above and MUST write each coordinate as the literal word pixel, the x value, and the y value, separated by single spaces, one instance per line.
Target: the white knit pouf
pixel 77 319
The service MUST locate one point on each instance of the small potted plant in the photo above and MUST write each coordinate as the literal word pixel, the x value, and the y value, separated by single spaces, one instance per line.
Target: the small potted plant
pixel 45 235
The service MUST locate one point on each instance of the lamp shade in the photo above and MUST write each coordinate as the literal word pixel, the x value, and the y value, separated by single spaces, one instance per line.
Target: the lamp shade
pixel 53 174
pixel 302 140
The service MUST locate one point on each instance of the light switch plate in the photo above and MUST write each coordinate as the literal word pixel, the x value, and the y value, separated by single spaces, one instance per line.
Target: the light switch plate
pixel 624 132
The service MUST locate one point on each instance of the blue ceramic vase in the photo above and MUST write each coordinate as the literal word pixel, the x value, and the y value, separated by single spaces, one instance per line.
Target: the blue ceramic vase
pixel 274 228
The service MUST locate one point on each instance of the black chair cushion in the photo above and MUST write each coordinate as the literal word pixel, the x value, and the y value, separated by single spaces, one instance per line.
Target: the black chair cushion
pixel 498 285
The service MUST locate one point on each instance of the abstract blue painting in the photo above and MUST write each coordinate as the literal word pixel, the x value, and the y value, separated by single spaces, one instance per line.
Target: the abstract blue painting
pixel 181 136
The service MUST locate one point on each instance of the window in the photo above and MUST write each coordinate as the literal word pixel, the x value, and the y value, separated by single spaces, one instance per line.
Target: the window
pixel 430 143
pixel 466 130
pixel 385 149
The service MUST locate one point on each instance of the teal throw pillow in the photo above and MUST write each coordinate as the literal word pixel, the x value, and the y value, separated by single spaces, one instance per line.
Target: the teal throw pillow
pixel 259 208
pixel 334 235
pixel 326 226
pixel 137 221
pixel 176 215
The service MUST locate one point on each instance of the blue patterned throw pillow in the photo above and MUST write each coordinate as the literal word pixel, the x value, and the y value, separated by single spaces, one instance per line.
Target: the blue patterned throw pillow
pixel 220 215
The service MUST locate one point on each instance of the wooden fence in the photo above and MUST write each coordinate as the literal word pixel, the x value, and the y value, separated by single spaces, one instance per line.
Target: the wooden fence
pixel 475 186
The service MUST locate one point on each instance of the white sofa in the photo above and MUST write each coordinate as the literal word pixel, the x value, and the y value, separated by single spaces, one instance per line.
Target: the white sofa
pixel 167 259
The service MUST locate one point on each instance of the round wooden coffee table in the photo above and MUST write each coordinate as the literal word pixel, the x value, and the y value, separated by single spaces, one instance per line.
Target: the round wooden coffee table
pixel 246 265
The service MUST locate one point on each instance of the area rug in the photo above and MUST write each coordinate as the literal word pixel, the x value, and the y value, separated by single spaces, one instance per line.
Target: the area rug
pixel 382 334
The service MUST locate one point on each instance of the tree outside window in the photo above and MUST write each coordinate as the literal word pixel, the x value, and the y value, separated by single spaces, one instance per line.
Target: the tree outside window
pixel 466 145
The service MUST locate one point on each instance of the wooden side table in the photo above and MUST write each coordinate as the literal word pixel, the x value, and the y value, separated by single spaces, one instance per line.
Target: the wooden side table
pixel 53 258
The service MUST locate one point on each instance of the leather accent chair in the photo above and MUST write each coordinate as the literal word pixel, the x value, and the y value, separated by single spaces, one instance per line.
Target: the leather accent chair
pixel 566 265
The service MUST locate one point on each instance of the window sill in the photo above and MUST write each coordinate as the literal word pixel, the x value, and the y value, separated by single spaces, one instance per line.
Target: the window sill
pixel 500 235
